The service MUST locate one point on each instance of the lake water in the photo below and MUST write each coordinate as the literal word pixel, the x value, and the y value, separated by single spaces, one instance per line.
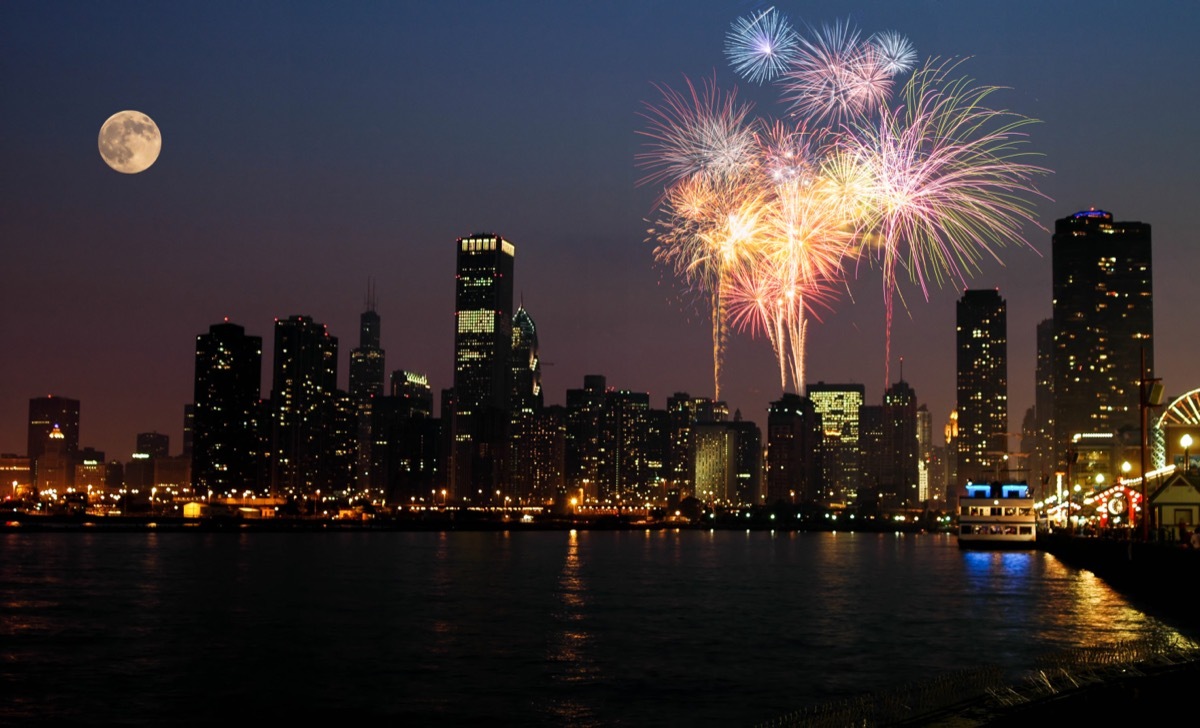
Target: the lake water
pixel 549 628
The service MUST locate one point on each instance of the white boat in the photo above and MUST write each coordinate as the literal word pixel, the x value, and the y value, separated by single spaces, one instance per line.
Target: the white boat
pixel 996 516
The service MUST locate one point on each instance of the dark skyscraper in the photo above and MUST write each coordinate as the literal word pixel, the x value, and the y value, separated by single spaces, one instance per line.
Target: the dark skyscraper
pixel 226 441
pixel 303 409
pixel 1103 324
pixel 483 345
pixel 366 386
pixel 982 403
pixel 46 414
pixel 366 361
pixel 793 450
pixel 899 481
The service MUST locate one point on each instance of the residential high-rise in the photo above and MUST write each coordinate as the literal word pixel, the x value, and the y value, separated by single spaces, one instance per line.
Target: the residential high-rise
pixel 483 344
pixel 585 451
pixel 303 408
pixel 45 415
pixel 1103 325
pixel 839 405
pixel 982 403
pixel 226 421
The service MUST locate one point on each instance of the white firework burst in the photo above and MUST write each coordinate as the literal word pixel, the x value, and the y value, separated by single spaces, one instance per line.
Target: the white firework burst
pixel 896 52
pixel 760 46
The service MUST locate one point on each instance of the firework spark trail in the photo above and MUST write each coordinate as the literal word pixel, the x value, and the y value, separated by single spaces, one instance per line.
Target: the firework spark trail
pixel 760 47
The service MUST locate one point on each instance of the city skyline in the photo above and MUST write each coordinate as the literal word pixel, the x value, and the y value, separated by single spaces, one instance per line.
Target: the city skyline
pixel 259 208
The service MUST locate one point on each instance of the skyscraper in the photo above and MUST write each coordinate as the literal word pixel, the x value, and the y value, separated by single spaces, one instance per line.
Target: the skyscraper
pixel 483 346
pixel 900 472
pixel 226 414
pixel 366 361
pixel 45 415
pixel 982 403
pixel 793 450
pixel 303 408
pixel 366 385
pixel 526 366
pixel 1103 324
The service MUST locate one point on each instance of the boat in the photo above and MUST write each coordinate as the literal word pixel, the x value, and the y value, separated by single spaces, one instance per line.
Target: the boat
pixel 996 516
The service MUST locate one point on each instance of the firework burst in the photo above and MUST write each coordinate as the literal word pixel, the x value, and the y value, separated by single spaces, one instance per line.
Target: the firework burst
pixel 836 77
pixel 762 219
pixel 895 51
pixel 760 46
pixel 702 131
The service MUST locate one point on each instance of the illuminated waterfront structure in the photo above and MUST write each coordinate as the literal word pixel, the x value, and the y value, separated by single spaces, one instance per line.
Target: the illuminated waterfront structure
pixel 45 415
pixel 483 344
pixel 227 444
pixel 304 380
pixel 982 402
pixel 1103 325
pixel 839 405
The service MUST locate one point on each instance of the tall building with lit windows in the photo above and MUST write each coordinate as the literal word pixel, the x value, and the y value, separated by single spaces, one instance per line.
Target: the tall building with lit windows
pixel 982 402
pixel 1103 324
pixel 304 408
pixel 839 405
pixel 483 346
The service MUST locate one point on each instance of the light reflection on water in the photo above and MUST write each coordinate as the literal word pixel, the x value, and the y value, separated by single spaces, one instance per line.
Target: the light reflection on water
pixel 555 628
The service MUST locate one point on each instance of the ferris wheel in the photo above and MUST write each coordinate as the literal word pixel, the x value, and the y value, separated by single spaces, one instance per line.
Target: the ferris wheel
pixel 1184 410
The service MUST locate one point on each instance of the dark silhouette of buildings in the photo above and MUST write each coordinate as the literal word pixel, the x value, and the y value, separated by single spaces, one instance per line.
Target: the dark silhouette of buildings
pixel 982 401
pixel 1103 323
pixel 227 447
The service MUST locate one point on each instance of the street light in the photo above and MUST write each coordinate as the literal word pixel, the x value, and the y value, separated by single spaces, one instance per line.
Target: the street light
pixel 1186 441
pixel 1125 468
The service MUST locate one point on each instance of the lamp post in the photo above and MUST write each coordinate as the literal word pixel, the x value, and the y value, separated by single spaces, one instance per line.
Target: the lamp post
pixel 1125 468
pixel 1186 442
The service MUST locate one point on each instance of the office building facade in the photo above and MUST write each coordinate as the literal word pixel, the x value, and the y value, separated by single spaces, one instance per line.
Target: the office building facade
pixel 483 345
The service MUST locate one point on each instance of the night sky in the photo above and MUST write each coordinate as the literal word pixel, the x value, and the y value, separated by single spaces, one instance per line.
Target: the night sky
pixel 308 148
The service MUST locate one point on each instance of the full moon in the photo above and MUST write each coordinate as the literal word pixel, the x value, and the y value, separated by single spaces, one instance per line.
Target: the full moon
pixel 130 142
